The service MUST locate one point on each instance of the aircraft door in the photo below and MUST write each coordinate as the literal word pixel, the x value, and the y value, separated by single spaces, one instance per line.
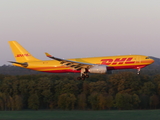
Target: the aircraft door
pixel 138 59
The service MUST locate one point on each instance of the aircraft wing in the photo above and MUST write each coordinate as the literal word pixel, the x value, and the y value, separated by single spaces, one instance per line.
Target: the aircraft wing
pixel 73 64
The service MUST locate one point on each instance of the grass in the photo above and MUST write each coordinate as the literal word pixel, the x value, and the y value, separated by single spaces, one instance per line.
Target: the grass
pixel 81 115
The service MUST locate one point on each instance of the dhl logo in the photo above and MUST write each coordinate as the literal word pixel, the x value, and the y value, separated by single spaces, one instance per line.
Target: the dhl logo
pixel 117 61
pixel 22 55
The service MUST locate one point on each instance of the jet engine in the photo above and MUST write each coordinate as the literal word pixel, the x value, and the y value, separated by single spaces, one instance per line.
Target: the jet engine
pixel 98 69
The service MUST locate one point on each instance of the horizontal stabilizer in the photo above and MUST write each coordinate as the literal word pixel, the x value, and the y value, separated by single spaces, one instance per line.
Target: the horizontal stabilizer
pixel 23 64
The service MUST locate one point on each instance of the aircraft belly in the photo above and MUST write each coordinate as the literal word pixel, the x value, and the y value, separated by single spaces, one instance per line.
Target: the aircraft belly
pixel 125 67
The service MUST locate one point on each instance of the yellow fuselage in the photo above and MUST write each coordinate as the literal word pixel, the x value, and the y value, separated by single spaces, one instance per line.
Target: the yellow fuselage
pixel 111 62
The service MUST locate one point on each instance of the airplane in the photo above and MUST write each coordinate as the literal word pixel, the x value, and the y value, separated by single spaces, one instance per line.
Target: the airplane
pixel 84 66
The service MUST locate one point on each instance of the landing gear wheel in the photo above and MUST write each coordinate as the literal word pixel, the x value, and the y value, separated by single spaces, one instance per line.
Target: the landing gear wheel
pixel 87 76
pixel 79 78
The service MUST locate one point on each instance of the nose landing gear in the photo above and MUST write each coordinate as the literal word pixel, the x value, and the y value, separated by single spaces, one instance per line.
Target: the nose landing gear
pixel 138 70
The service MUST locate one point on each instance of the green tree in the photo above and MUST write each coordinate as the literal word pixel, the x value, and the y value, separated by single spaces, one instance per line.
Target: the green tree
pixel 148 88
pixel 102 101
pixel 85 87
pixel 124 82
pixel 82 101
pixel 32 87
pixel 18 102
pixel 123 101
pixel 109 101
pixel 99 86
pixel 65 86
pixel 2 101
pixel 144 104
pixel 44 91
pixel 33 102
pixel 158 89
pixel 24 91
pixel 119 102
pixel 7 86
pixel 154 101
pixel 156 81
pixel 135 101
pixel 67 101
pixel 10 103
pixel 5 101
pixel 93 100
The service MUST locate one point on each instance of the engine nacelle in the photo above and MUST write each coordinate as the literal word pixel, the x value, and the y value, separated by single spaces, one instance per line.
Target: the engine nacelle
pixel 98 69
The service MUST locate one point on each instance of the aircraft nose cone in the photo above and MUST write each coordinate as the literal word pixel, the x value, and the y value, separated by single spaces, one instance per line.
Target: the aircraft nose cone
pixel 152 61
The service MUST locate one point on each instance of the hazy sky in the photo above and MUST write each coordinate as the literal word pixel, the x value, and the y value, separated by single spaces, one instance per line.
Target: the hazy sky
pixel 80 28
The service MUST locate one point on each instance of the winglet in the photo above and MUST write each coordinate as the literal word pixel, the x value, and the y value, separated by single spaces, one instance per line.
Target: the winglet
pixel 48 55
pixel 52 57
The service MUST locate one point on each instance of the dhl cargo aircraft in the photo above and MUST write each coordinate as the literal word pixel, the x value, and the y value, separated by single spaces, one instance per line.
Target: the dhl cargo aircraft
pixel 77 65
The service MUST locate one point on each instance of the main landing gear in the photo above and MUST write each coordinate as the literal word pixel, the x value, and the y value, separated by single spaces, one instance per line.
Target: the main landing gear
pixel 84 74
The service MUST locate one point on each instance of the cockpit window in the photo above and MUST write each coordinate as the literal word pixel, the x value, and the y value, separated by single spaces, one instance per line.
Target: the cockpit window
pixel 147 58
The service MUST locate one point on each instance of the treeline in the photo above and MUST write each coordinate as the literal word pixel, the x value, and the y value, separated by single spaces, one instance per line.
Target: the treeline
pixel 123 90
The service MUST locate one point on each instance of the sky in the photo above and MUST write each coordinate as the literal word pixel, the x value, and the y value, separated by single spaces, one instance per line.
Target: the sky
pixel 80 28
